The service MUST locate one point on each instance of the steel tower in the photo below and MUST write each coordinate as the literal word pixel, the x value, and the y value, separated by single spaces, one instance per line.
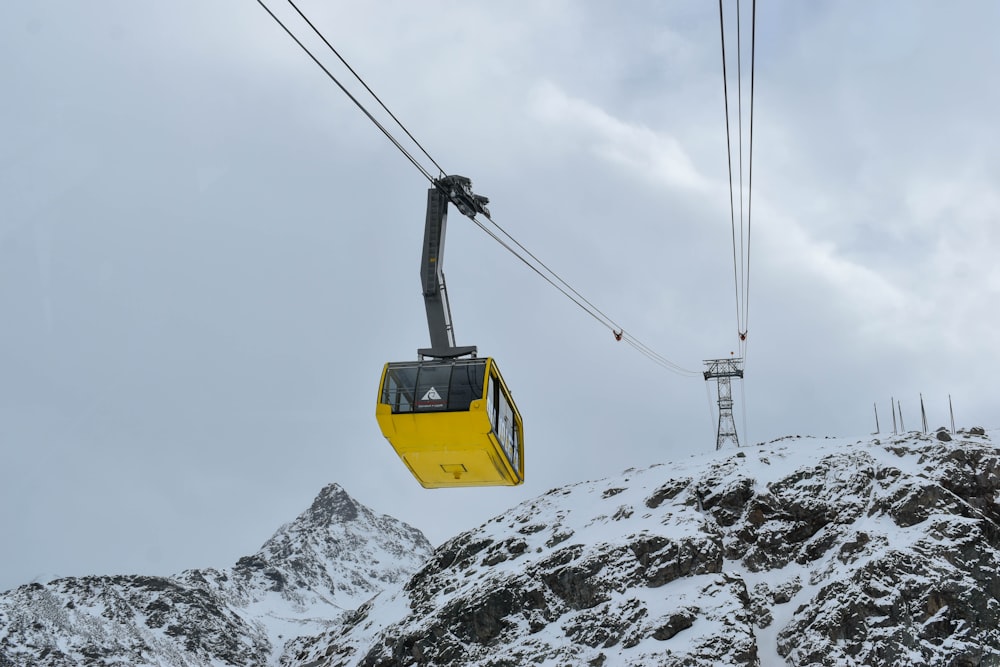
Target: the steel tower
pixel 722 370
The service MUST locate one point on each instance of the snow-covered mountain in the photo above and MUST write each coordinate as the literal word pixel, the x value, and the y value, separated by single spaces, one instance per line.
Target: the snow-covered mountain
pixel 802 551
pixel 799 552
pixel 329 560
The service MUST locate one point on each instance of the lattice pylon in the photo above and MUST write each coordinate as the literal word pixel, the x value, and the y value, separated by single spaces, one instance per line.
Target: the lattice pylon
pixel 722 371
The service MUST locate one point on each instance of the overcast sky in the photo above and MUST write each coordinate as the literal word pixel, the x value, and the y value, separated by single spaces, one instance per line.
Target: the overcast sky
pixel 207 253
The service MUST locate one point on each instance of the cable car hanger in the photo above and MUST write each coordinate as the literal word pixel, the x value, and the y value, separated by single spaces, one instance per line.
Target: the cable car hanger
pixel 458 191
pixel 451 420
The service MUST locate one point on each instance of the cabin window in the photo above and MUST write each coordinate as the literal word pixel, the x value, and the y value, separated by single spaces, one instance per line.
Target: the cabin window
pixel 466 385
pixel 433 386
pixel 400 384
pixel 502 419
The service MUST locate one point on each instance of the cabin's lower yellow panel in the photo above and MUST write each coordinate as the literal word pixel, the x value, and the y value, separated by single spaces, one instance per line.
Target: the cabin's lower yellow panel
pixel 446 449
pixel 473 466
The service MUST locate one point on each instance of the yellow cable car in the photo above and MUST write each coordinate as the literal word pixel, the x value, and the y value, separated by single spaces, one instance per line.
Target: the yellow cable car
pixel 451 419
pixel 452 422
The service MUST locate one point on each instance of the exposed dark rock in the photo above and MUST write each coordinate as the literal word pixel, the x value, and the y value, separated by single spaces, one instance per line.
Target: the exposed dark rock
pixel 571 577
pixel 674 623
pixel 333 505
pixel 914 504
pixel 850 548
pixel 667 491
pixel 607 625
pixel 532 528
pixel 623 512
pixel 558 537
pixel 662 560
pixel 726 503
pixel 507 550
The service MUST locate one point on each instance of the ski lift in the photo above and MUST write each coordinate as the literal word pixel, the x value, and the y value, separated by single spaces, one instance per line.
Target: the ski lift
pixel 452 422
pixel 450 416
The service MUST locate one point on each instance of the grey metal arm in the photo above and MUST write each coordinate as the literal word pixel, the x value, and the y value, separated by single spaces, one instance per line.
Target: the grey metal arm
pixel 457 190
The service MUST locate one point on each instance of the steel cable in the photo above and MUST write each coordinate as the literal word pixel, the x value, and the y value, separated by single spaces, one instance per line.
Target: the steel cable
pixel 535 263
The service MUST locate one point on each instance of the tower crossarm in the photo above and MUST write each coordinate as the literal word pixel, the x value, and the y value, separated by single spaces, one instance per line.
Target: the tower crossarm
pixel 717 368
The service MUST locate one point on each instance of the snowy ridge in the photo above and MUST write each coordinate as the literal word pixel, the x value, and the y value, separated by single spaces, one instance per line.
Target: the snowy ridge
pixel 797 552
pixel 330 559
pixel 801 552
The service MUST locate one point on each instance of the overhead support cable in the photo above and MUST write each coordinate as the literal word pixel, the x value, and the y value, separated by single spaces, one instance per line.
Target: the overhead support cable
pixel 357 103
pixel 739 128
pixel 729 164
pixel 573 295
pixel 511 244
pixel 741 250
pixel 753 58
pixel 441 171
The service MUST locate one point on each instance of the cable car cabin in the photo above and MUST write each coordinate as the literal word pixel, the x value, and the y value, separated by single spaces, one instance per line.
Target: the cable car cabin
pixel 452 422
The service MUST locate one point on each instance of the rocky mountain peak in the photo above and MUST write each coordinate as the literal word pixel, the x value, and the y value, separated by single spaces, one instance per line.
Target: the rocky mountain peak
pixel 337 536
pixel 332 505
